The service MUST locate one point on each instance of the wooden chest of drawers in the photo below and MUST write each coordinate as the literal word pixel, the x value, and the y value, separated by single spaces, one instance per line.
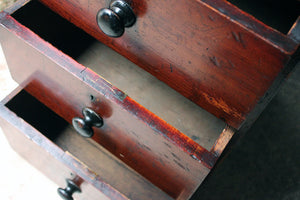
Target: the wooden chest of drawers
pixel 209 51
pixel 212 53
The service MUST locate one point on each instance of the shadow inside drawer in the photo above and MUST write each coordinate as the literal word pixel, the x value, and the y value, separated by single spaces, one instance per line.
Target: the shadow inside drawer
pixel 104 167
pixel 38 115
pixel 54 29
pixel 199 125
pixel 278 14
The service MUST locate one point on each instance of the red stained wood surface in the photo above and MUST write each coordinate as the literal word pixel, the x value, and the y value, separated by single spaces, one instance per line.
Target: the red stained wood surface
pixel 50 159
pixel 89 170
pixel 156 150
pixel 211 52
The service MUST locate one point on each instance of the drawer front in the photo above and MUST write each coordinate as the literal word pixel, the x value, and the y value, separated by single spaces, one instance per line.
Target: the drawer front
pixel 157 151
pixel 50 144
pixel 45 156
pixel 209 51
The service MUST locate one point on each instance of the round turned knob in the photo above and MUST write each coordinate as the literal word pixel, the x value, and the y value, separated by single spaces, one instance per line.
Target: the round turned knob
pixel 113 20
pixel 84 126
pixel 67 193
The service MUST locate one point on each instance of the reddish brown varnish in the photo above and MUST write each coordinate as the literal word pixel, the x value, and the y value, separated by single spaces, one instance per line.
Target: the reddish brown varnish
pixel 225 65
pixel 210 51
pixel 156 150
pixel 50 159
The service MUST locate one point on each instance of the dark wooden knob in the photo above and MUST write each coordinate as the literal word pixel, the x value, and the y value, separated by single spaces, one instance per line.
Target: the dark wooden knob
pixel 67 193
pixel 113 20
pixel 90 119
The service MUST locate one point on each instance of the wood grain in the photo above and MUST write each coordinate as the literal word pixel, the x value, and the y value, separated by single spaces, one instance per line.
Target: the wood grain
pixel 98 161
pixel 210 51
pixel 222 141
pixel 157 151
pixel 50 159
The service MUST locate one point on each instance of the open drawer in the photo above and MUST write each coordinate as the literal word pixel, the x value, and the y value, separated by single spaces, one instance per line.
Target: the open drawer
pixel 210 51
pixel 155 160
pixel 51 145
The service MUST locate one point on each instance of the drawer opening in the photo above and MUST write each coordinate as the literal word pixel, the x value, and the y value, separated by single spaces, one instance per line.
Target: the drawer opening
pixel 109 168
pixel 152 148
pixel 38 115
pixel 156 96
pixel 277 14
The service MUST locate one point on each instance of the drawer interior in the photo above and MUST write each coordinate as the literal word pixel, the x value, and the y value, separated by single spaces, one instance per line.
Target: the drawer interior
pixel 37 115
pixel 278 14
pixel 110 169
pixel 156 96
pixel 170 160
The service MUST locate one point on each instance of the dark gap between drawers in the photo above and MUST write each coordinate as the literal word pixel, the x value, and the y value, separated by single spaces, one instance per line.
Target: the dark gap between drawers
pixel 279 14
pixel 184 115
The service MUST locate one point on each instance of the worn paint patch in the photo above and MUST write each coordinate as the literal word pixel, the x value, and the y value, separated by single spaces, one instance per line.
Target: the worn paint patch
pixel 222 105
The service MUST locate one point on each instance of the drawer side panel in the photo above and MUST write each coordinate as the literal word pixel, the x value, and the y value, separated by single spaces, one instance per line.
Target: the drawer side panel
pixel 153 148
pixel 203 51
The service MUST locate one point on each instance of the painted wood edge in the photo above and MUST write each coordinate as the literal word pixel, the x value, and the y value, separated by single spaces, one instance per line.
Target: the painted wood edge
pixel 253 25
pixel 222 141
pixel 112 93
pixel 294 32
pixel 65 157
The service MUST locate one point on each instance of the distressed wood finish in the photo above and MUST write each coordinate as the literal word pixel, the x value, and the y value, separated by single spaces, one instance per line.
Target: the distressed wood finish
pixel 47 157
pixel 141 86
pixel 69 159
pixel 210 51
pixel 222 141
pixel 219 57
pixel 169 159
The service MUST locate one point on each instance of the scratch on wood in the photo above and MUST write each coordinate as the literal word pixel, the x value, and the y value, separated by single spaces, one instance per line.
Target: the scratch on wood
pixel 235 36
pixel 222 105
pixel 171 68
pixel 215 61
pixel 211 18
pixel 239 38
pixel 231 64
pixel 175 156
pixel 180 165
pixel 83 70
pixel 161 162
pixel 144 146
pixel 167 145
pixel 134 133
